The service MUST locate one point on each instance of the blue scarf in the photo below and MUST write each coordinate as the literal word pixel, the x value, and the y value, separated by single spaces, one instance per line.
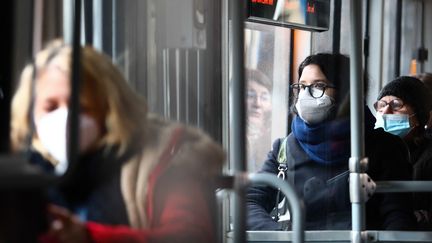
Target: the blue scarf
pixel 329 142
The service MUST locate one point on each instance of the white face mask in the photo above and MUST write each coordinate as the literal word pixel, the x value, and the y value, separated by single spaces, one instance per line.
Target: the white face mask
pixel 313 110
pixel 52 132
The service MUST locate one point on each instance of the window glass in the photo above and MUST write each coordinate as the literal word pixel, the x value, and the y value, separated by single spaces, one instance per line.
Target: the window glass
pixel 267 72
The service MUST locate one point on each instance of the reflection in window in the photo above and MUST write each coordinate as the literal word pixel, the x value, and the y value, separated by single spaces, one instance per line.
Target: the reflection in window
pixel 267 52
pixel 259 108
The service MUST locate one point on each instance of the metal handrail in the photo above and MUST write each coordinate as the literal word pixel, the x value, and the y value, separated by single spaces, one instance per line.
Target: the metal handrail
pixel 340 236
pixel 237 13
pixel 357 120
pixel 240 181
pixel 403 186
pixel 293 200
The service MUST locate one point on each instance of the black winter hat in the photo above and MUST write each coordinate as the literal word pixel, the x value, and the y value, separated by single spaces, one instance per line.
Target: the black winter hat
pixel 412 92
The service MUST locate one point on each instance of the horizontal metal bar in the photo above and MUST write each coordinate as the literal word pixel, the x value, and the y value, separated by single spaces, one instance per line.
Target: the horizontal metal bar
pixel 338 236
pixel 283 236
pixel 403 186
pixel 400 236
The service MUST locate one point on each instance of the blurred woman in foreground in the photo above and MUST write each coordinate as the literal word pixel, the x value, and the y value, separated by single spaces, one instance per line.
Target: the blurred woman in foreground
pixel 138 179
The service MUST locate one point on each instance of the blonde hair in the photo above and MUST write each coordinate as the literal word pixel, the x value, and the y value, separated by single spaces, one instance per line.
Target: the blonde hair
pixel 122 110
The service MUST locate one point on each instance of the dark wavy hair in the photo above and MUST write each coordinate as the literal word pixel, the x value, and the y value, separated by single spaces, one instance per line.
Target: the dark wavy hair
pixel 336 68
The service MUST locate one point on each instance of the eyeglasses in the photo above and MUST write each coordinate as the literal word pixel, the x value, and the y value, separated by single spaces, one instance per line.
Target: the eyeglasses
pixel 316 90
pixel 251 94
pixel 395 105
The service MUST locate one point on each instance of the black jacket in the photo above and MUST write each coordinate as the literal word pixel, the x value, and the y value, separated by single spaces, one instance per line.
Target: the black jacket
pixel 421 157
pixel 324 188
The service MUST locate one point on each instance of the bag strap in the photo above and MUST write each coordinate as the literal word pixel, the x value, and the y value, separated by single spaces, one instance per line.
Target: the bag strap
pixel 282 154
pixel 282 168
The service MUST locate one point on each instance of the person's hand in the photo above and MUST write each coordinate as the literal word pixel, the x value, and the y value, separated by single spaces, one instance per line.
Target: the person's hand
pixel 66 227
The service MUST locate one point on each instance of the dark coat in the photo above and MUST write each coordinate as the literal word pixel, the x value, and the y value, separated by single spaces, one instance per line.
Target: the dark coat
pixel 421 157
pixel 327 201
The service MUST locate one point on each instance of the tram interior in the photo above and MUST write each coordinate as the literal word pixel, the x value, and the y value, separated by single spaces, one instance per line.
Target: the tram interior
pixel 185 58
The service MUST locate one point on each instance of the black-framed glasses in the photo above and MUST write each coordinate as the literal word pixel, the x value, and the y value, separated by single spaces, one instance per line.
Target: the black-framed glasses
pixel 316 90
pixel 395 105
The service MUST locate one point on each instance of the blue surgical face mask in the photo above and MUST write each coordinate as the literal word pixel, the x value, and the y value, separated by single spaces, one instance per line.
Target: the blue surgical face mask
pixel 396 124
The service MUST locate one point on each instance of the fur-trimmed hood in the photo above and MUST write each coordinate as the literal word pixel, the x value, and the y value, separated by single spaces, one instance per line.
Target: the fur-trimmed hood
pixel 186 148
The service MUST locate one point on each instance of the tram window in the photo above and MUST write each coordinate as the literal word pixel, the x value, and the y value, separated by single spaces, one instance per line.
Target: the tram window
pixel 168 51
pixel 267 52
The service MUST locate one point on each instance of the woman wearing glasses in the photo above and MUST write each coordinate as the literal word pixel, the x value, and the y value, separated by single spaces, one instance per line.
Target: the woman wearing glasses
pixel 403 109
pixel 259 108
pixel 314 157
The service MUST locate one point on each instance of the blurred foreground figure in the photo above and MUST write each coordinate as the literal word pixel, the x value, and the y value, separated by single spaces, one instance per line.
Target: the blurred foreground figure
pixel 138 178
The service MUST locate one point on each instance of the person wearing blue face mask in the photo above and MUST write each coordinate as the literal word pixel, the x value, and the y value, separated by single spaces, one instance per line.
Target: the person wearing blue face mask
pixel 402 108
pixel 314 158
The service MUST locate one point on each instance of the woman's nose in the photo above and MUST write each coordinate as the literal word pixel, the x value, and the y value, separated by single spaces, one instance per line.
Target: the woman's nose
pixel 387 110
pixel 258 101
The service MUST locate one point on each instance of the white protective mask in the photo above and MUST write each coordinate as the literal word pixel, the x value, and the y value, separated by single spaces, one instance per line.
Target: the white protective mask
pixel 52 132
pixel 313 110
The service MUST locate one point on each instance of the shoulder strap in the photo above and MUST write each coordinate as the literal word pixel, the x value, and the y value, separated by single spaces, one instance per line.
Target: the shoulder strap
pixel 282 154
pixel 282 168
pixel 286 162
pixel 282 158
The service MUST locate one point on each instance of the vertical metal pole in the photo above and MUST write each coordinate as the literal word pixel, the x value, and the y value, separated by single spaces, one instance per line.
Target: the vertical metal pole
pixel 398 37
pixel 37 25
pixel 422 34
pixel 88 21
pixel 336 26
pixel 226 112
pixel 165 83
pixel 97 25
pixel 187 85
pixel 198 89
pixel 75 88
pixel 366 41
pixel 114 35
pixel 67 21
pixel 238 83
pixel 83 24
pixel 237 13
pixel 357 119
